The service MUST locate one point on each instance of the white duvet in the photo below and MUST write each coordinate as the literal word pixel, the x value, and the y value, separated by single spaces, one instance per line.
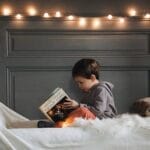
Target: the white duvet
pixel 126 132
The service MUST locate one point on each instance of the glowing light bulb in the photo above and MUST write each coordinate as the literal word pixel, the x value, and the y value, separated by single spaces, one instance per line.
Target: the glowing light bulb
pixel 132 12
pixel 6 11
pixel 110 17
pixel 46 15
pixel 82 22
pixel 121 20
pixel 70 17
pixel 147 16
pixel 19 16
pixel 58 14
pixel 32 11
pixel 96 23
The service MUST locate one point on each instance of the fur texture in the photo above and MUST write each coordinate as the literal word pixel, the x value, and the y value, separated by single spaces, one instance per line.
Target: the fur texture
pixel 142 107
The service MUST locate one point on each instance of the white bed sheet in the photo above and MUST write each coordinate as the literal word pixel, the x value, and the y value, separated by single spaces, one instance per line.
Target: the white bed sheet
pixel 126 132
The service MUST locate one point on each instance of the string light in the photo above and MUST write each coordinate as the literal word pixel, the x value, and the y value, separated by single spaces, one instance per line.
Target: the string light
pixel 6 11
pixel 82 22
pixel 71 17
pixel 19 16
pixel 121 20
pixel 96 23
pixel 147 16
pixel 46 15
pixel 132 12
pixel 32 11
pixel 58 14
pixel 110 17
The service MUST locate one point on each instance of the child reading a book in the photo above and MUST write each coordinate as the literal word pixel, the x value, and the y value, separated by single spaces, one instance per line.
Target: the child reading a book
pixel 98 97
pixel 98 100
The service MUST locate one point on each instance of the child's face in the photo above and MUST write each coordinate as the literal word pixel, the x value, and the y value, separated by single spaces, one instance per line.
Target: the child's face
pixel 83 83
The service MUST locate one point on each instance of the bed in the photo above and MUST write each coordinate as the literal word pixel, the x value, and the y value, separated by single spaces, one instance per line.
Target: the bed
pixel 125 132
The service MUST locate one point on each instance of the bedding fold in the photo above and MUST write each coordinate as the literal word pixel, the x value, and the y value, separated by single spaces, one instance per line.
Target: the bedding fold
pixel 121 133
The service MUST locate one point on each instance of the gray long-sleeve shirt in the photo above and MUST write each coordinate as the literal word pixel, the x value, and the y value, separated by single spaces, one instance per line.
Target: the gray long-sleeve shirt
pixel 100 100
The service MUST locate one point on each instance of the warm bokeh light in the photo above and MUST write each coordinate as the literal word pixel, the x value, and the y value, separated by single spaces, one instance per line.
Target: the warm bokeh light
pixel 110 17
pixel 147 16
pixel 82 22
pixel 58 14
pixel 18 16
pixel 96 23
pixel 46 15
pixel 6 11
pixel 32 11
pixel 70 17
pixel 132 12
pixel 66 123
pixel 121 20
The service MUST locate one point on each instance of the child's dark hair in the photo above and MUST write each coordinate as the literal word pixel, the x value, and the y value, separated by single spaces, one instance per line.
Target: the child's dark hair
pixel 85 68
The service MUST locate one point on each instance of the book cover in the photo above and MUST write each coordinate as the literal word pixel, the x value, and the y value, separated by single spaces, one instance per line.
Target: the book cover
pixel 52 108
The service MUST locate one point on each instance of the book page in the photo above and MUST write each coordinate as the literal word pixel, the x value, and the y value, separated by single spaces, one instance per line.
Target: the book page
pixel 57 96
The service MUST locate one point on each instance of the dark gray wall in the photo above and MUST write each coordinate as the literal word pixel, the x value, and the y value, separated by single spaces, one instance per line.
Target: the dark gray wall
pixel 36 56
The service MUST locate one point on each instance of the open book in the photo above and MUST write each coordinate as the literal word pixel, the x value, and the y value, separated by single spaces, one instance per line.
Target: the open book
pixel 52 108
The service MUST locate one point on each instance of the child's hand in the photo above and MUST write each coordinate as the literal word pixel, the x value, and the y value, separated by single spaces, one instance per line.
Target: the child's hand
pixel 70 104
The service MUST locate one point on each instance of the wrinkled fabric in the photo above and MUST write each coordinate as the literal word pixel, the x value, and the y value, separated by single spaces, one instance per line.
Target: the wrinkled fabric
pixel 125 132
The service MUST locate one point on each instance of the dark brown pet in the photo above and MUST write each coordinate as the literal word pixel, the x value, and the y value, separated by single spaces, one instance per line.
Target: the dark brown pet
pixel 142 107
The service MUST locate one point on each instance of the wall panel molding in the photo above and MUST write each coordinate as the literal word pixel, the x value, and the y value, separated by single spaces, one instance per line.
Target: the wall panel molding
pixel 16 78
pixel 35 43
pixel 11 77
pixel 37 55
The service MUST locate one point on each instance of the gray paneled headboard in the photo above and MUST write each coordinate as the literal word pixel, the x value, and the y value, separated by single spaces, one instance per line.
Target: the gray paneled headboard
pixel 37 56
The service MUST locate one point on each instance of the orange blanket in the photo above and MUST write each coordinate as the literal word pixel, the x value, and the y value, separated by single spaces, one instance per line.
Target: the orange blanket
pixel 82 112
